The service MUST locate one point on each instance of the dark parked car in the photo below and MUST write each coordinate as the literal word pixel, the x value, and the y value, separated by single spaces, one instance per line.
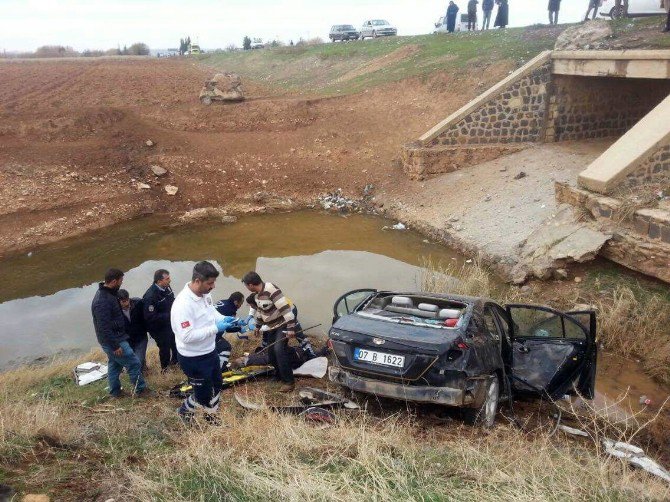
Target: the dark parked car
pixel 460 351
pixel 343 32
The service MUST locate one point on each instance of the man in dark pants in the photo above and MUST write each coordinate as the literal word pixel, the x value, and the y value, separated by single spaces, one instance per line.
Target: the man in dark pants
pixel 109 324
pixel 274 319
pixel 196 322
pixel 472 15
pixel 487 8
pixel 553 7
pixel 133 311
pixel 157 304
pixel 450 17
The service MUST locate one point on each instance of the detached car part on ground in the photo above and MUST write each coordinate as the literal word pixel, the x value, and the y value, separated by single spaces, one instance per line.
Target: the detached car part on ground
pixel 460 351
pixel 222 87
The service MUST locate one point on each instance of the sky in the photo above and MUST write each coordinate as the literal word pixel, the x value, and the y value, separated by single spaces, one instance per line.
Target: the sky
pixel 103 24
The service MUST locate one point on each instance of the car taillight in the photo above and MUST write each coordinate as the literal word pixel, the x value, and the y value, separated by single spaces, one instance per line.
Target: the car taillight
pixel 459 343
pixel 450 323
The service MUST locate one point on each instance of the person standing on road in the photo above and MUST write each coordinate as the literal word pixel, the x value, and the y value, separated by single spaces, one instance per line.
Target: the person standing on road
pixel 452 10
pixel 275 319
pixel 133 311
pixel 502 15
pixel 487 8
pixel 196 322
pixel 554 7
pixel 472 15
pixel 110 330
pixel 621 8
pixel 593 7
pixel 157 302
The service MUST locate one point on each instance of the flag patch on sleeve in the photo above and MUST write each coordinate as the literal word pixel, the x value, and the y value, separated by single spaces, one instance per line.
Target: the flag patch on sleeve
pixel 185 324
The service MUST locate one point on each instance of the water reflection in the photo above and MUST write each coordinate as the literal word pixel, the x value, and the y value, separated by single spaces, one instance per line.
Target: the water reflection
pixel 61 322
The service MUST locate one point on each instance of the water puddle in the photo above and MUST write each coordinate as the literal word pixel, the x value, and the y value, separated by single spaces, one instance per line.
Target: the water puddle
pixel 45 299
pixel 314 257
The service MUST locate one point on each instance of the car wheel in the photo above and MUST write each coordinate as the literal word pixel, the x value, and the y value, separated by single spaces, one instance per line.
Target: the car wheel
pixel 206 100
pixel 617 12
pixel 374 34
pixel 485 415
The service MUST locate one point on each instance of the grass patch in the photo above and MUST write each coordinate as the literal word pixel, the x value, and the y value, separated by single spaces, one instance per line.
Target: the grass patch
pixel 321 67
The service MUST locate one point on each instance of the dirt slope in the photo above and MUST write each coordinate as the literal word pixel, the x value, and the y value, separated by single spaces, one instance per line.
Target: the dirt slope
pixel 73 133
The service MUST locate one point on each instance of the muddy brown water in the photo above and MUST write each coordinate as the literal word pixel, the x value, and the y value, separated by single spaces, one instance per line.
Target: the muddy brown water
pixel 314 257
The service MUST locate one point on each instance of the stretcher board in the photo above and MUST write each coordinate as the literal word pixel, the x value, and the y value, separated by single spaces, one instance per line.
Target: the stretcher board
pixel 230 378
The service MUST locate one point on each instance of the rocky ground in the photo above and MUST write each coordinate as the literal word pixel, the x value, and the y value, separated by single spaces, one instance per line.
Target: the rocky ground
pixel 84 144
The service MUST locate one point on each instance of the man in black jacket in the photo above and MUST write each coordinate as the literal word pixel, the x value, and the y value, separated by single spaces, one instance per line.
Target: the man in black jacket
pixel 157 305
pixel 109 324
pixel 133 311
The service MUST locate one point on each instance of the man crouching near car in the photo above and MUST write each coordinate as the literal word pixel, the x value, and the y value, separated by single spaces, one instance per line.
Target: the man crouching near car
pixel 195 323
pixel 275 319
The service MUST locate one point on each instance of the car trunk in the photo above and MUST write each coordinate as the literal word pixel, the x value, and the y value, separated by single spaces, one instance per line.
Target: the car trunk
pixel 419 346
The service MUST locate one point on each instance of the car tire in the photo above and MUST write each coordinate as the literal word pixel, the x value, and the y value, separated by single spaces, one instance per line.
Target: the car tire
pixel 206 100
pixel 374 34
pixel 485 415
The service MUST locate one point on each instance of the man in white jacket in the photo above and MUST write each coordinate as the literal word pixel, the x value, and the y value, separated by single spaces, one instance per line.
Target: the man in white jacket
pixel 195 322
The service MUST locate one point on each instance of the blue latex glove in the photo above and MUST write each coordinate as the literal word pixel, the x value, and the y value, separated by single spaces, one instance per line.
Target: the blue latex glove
pixel 251 323
pixel 225 323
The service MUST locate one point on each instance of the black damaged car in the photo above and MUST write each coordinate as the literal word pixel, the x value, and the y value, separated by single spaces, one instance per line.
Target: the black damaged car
pixel 460 351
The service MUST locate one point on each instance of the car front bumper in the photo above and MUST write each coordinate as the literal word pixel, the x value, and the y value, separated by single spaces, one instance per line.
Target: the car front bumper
pixel 449 396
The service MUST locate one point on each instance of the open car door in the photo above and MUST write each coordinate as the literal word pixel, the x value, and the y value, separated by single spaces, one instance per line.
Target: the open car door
pixel 553 353
pixel 348 302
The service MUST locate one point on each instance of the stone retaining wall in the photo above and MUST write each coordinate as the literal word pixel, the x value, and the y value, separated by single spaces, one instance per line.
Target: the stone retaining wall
pixel 420 163
pixel 642 243
pixel 517 115
pixel 599 107
pixel 655 169
pixel 653 224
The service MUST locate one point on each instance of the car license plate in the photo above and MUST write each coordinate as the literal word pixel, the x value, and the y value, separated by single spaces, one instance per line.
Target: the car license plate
pixel 371 356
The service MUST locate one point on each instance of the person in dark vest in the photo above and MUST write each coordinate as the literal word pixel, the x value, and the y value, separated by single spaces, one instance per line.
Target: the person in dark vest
pixel 502 16
pixel 157 304
pixel 110 330
pixel 554 7
pixel 472 15
pixel 228 308
pixel 487 8
pixel 133 311
pixel 452 11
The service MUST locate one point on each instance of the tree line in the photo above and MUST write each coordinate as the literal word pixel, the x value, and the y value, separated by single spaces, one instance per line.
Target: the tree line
pixel 62 51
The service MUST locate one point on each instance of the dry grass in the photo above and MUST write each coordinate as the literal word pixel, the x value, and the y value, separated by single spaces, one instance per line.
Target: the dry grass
pixel 72 442
pixel 641 327
pixel 267 456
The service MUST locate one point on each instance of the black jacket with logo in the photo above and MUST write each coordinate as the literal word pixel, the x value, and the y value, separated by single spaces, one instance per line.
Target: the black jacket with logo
pixel 157 305
pixel 108 319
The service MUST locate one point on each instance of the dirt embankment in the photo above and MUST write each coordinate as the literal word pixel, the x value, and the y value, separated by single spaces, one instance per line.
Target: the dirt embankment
pixel 74 154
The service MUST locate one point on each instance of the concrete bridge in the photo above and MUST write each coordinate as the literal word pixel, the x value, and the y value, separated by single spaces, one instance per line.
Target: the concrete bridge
pixel 567 96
